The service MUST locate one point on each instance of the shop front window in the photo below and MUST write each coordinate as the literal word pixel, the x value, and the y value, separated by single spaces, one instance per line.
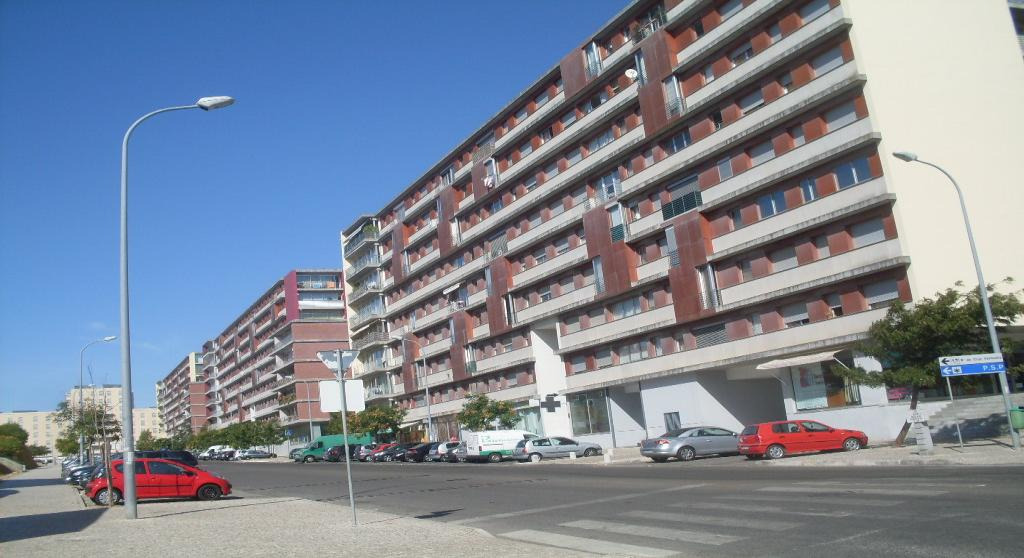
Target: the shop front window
pixel 589 413
pixel 816 386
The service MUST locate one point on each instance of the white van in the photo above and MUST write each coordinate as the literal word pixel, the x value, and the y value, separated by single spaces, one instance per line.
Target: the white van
pixel 493 445
pixel 212 451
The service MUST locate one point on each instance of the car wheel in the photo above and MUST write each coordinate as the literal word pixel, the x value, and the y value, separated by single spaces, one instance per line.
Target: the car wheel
pixel 851 444
pixel 775 451
pixel 208 492
pixel 534 457
pixel 494 457
pixel 589 452
pixel 686 453
pixel 103 495
pixel 309 459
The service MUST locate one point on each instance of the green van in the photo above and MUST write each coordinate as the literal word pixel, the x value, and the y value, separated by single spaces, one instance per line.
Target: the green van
pixel 315 450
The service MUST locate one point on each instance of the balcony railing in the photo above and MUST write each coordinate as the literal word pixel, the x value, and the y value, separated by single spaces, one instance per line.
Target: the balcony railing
pixel 471 367
pixel 618 233
pixel 378 391
pixel 593 68
pixel 368 234
pixel 711 300
pixel 370 339
pixel 370 287
pixel 317 284
pixel 648 29
pixel 365 263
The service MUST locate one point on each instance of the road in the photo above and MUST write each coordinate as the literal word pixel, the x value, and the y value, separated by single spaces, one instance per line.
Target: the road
pixel 724 507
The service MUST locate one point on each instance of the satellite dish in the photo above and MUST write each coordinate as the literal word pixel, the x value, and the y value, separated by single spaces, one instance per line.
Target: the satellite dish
pixel 631 73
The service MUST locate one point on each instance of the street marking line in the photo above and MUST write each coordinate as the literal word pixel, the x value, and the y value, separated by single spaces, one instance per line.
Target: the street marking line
pixel 756 524
pixel 653 532
pixel 759 509
pixel 853 490
pixel 895 483
pixel 812 499
pixel 585 545
pixel 577 504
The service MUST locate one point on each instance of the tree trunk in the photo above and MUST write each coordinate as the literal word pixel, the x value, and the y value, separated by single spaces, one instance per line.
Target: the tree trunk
pixel 906 425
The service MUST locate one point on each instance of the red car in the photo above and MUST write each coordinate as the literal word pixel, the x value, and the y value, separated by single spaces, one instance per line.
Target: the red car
pixel 776 439
pixel 381 448
pixel 160 478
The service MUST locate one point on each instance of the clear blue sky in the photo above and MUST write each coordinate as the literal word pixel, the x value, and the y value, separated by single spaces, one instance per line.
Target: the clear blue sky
pixel 340 105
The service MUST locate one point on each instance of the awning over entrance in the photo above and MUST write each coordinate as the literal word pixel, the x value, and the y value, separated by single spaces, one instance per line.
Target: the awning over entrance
pixel 797 360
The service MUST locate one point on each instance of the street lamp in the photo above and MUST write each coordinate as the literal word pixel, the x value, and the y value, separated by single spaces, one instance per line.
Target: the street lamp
pixel 205 103
pixel 426 383
pixel 909 157
pixel 81 390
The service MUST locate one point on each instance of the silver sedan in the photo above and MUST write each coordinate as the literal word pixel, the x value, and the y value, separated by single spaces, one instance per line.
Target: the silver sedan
pixel 536 449
pixel 686 443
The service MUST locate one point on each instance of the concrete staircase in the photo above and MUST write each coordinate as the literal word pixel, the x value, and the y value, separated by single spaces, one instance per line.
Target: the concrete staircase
pixel 980 417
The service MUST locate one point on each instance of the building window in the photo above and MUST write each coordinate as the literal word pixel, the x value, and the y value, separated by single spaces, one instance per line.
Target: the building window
pixel 678 142
pixel 572 324
pixel 525 149
pixel 762 153
pixel 772 203
pixel 641 68
pixel 736 216
pixel 578 364
pixel 574 156
pixel 852 172
pixel 730 8
pixel 626 308
pixel 589 413
pixel 741 54
pixel 813 10
pixel 711 335
pixel 709 74
pixel 795 315
pixel 797 133
pixel 808 189
pixel 841 116
pixel 551 170
pixel 815 386
pixel 601 141
pixel 868 232
pixel 561 246
pixel 745 270
pixel 717 120
pixel 541 99
pixel 631 352
pixel 672 422
pixel 596 316
pixel 755 324
pixel 786 82
pixel 724 169
pixel 827 61
pixel 775 33
pixel 783 259
pixel 821 245
pixel 603 357
pixel 881 294
pixel 568 119
pixel 835 304
pixel 751 102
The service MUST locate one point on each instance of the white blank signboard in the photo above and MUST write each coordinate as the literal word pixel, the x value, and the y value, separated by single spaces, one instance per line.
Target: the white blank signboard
pixel 330 396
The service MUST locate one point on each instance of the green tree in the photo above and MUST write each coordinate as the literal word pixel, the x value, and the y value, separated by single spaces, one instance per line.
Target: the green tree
pixel 271 433
pixel 381 423
pixel 146 441
pixel 38 450
pixel 205 438
pixel 67 444
pixel 481 413
pixel 93 422
pixel 909 340
pixel 14 448
pixel 15 431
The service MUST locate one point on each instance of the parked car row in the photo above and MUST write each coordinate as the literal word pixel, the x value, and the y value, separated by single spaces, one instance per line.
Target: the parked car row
pixel 158 474
pixel 769 440
pixel 225 453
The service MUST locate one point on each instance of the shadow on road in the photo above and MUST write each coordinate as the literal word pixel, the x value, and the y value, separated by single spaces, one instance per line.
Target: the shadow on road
pixel 438 513
pixel 46 524
pixel 25 483
pixel 221 507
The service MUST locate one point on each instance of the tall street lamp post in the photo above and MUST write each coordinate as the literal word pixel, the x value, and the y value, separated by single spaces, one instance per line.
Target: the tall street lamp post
pixel 426 384
pixel 81 391
pixel 205 103
pixel 982 286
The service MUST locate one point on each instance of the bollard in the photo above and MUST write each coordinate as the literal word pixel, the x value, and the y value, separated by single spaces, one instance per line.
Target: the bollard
pixel 608 458
pixel 572 456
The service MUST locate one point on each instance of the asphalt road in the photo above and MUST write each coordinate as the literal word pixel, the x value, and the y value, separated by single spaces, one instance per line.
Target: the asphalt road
pixel 711 507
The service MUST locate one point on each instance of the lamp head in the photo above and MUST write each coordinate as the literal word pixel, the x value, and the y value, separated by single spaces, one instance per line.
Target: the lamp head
pixel 109 338
pixel 210 103
pixel 905 156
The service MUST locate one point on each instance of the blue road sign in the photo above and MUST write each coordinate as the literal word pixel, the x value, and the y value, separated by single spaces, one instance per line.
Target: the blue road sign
pixel 970 369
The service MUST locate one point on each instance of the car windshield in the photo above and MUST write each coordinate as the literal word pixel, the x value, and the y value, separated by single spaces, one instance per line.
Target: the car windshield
pixel 749 431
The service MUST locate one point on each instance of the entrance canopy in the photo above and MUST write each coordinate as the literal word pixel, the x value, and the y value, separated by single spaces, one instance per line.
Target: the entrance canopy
pixel 797 360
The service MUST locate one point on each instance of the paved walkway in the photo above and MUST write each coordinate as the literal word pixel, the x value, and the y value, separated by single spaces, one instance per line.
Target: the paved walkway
pixel 42 516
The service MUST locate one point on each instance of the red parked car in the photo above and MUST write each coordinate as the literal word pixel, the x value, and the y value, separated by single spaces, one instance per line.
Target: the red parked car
pixel 159 478
pixel 776 439
pixel 381 448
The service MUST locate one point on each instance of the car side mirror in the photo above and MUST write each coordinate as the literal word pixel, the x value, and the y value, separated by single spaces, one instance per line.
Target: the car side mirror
pixel 188 473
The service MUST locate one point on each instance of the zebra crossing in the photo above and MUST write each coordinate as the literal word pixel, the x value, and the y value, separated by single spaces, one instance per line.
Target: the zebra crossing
pixel 705 521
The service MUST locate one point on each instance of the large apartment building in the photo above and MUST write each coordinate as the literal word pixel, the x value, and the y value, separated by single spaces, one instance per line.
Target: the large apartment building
pixel 263 366
pixel 693 217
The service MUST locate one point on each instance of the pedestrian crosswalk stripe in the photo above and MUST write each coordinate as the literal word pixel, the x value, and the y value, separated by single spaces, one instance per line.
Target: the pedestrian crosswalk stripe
pixel 653 532
pixel 852 490
pixel 805 499
pixel 895 483
pixel 582 544
pixel 762 508
pixel 684 517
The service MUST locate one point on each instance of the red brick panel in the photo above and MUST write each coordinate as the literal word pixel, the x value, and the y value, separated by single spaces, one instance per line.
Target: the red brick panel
pixel 693 237
pixel 460 336
pixel 574 74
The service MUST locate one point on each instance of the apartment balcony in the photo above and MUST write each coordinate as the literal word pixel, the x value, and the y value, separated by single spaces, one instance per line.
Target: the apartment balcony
pixel 832 84
pixel 726 31
pixel 437 286
pixel 548 227
pixel 321 304
pixel 380 392
pixel 505 360
pixel 436 347
pixel 476 298
pixel 357 269
pixel 619 329
pixel 540 114
pixel 555 265
pixel 370 339
pixel 318 284
pixel 367 237
pixel 557 304
pixel 832 144
pixel 429 227
pixel 265 411
pixel 466 202
pixel 432 318
pixel 835 332
pixel 517 393
pixel 480 331
pixel 806 37
pixel 386 256
pixel 365 316
pixel 371 366
pixel 648 29
pixel 373 287
pixel 655 268
pixel 429 258
pixel 833 206
pixel 434 379
pixel 868 259
pixel 258 397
